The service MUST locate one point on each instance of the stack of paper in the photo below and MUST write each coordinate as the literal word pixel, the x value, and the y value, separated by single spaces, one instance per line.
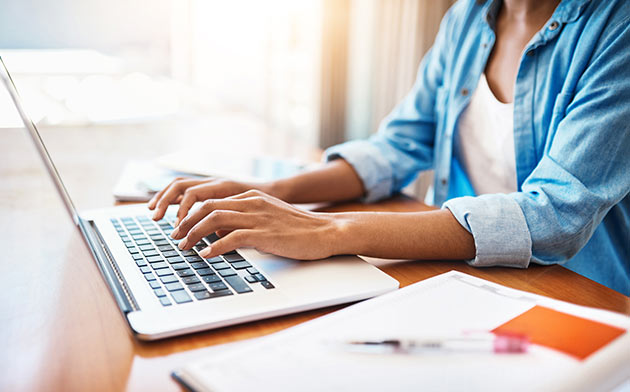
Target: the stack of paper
pixel 308 357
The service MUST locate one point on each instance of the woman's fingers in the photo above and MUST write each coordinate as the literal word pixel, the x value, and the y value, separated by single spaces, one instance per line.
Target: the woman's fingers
pixel 206 209
pixel 170 195
pixel 158 195
pixel 215 221
pixel 191 196
pixel 235 239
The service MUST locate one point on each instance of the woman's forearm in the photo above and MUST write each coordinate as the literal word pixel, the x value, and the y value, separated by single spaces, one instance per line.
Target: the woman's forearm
pixel 430 235
pixel 334 181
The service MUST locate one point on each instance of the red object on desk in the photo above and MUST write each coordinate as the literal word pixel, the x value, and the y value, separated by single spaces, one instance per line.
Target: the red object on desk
pixel 569 334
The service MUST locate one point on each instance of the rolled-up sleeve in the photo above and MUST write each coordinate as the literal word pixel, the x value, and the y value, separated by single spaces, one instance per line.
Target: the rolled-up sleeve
pixel 498 227
pixel 369 164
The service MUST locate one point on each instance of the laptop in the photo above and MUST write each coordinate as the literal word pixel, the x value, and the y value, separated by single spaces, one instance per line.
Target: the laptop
pixel 164 292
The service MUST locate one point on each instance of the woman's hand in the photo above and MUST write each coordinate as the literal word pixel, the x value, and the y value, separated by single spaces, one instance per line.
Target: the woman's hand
pixel 188 191
pixel 255 219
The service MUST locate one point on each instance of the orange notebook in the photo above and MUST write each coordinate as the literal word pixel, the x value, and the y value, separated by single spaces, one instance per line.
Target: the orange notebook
pixel 572 335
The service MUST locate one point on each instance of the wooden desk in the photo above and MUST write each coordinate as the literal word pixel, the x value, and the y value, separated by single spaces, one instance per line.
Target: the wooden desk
pixel 61 330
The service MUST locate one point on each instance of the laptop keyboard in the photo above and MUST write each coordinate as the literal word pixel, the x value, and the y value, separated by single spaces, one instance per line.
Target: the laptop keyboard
pixel 177 276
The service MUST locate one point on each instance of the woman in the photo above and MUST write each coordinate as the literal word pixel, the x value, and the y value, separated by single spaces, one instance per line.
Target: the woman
pixel 522 107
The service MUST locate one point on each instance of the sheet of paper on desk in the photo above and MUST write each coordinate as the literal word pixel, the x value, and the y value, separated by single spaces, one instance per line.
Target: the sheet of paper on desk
pixel 305 357
pixel 140 180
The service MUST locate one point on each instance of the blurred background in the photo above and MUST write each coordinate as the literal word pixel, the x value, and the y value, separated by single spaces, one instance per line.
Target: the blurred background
pixel 285 77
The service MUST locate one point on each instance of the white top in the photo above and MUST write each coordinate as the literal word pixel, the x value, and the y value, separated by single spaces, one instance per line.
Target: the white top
pixel 486 142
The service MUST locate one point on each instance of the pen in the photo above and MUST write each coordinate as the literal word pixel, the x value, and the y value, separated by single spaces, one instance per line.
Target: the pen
pixel 492 343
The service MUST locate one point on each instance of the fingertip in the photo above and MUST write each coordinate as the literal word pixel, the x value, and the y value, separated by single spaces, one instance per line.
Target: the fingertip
pixel 206 253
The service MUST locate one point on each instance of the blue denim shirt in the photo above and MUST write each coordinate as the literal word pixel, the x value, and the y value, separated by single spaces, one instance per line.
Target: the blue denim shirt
pixel 571 137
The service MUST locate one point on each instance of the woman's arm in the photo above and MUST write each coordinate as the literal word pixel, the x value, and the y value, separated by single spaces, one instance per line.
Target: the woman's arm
pixel 255 219
pixel 333 181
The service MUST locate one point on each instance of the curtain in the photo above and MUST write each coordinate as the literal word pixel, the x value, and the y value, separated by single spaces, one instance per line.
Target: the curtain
pixel 371 50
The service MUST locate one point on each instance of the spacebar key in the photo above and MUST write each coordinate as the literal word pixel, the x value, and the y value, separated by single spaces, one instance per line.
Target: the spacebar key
pixel 238 284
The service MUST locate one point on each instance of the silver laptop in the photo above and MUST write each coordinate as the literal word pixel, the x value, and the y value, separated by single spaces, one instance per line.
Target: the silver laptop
pixel 163 291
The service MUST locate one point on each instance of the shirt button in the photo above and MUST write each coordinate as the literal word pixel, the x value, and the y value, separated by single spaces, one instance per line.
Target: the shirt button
pixel 530 53
pixel 443 181
pixel 485 45
pixel 554 25
pixel 464 91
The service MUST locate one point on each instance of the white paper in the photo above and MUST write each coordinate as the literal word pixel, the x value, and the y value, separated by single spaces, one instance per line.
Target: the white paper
pixel 306 357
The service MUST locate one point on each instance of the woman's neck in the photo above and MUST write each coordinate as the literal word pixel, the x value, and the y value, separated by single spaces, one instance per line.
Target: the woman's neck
pixel 529 11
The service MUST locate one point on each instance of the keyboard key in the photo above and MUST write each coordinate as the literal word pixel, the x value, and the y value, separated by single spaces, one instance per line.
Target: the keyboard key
pixel 185 272
pixel 141 263
pixel 129 244
pixel 159 265
pixel 163 272
pixel 137 256
pixel 212 237
pixel 205 294
pixel 168 279
pixel 154 259
pixel 196 287
pixel 211 279
pixel 233 257
pixel 145 270
pixel 133 250
pixel 143 242
pixel 174 286
pixel 170 253
pixel 165 248
pixel 216 294
pixel 193 259
pixel 162 243
pixel 199 265
pixel 150 253
pixel 205 271
pixel 238 284
pixel 267 284
pixel 154 284
pixel 165 301
pixel 189 252
pixel 181 296
pixel 159 292
pixel 220 266
pixel 252 271
pixel 174 260
pixel 226 272
pixel 260 277
pixel 179 266
pixel 218 286
pixel 147 247
pixel 241 265
pixel 149 277
pixel 190 280
pixel 251 279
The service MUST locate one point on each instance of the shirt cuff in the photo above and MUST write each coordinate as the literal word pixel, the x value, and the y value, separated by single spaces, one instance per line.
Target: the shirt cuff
pixel 498 226
pixel 369 164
